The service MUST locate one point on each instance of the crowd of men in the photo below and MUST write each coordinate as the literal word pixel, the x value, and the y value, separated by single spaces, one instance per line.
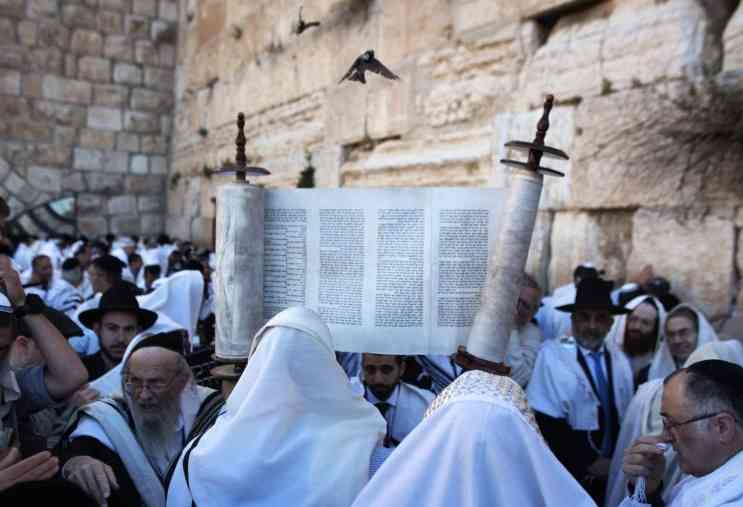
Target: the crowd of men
pixel 617 396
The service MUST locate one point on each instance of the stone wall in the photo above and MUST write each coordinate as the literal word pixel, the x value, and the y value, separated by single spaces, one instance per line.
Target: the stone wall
pixel 649 107
pixel 86 105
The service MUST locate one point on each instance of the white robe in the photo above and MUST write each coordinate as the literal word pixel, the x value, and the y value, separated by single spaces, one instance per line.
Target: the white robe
pixel 559 387
pixel 663 363
pixel 721 488
pixel 293 431
pixel 643 419
pixel 408 404
pixel 618 330
pixel 478 446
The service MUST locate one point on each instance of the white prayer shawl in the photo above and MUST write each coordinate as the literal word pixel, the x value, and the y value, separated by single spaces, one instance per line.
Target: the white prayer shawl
pixel 179 297
pixel 560 388
pixel 616 334
pixel 552 322
pixel 643 419
pixel 22 257
pixel 721 488
pixel 129 450
pixel 293 432
pixel 478 446
pixel 663 363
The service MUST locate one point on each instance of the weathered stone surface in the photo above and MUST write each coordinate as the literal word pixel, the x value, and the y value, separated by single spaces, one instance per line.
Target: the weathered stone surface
pixel 118 47
pixel 145 184
pixel 345 120
pixel 7 31
pixel 145 52
pixel 677 244
pixel 122 205
pixel 127 142
pixel 158 165
pixel 148 100
pixel 51 155
pixel 61 114
pixel 145 7
pixel 111 184
pixel 111 22
pixel 89 203
pixel 91 68
pixel 10 82
pixel 93 138
pixel 38 8
pixel 28 33
pixel 110 95
pixel 117 5
pixel 138 164
pixel 101 160
pixel 152 224
pixel 86 42
pixel 65 136
pixel 150 203
pixel 605 239
pixel 79 16
pixel 127 74
pixel 66 90
pixel 73 182
pixel 156 145
pixel 104 118
pixel 49 60
pixel 125 224
pixel 13 8
pixel 168 10
pixel 141 122
pixel 137 27
pixel 47 179
pixel 92 225
pixel 159 79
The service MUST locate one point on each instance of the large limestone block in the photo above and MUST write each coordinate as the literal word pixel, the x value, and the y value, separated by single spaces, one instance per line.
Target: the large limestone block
pixel 569 63
pixel 648 43
pixel 477 15
pixel 391 106
pixel 47 179
pixel 605 239
pixel 556 191
pixel 345 120
pixel 693 249
pixel 211 19
pixel 739 265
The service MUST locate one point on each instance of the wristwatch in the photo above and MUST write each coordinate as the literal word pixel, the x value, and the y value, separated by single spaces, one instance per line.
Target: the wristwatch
pixel 34 305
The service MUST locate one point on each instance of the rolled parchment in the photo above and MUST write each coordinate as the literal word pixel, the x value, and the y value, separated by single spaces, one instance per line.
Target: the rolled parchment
pixel 239 274
pixel 491 330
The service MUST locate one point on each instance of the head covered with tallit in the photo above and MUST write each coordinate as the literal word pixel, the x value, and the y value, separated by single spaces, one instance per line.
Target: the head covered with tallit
pixel 294 432
pixel 664 362
pixel 478 445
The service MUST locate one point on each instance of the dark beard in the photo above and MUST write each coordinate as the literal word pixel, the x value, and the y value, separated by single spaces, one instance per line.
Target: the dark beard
pixel 634 347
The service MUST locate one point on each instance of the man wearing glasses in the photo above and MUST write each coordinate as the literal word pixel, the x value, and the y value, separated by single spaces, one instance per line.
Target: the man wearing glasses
pixel 120 450
pixel 702 411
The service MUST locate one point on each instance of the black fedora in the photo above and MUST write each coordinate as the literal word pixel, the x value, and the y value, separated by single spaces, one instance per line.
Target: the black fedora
pixel 593 294
pixel 118 298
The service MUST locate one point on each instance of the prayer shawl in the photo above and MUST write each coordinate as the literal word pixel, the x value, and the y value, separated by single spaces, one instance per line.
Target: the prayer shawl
pixel 293 432
pixel 721 488
pixel 663 363
pixel 616 334
pixel 478 446
pixel 179 297
pixel 643 419
pixel 559 387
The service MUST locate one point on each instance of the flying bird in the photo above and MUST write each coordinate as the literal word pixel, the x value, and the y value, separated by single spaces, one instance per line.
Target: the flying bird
pixel 367 62
pixel 302 25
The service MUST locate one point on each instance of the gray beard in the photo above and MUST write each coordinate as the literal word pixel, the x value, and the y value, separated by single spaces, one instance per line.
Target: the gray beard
pixel 157 433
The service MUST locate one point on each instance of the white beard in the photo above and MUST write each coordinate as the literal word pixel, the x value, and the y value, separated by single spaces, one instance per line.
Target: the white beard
pixel 158 433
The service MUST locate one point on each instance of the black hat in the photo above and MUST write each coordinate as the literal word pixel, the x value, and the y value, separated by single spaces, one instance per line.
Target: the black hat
pixel 594 294
pixel 172 340
pixel 118 298
pixel 109 264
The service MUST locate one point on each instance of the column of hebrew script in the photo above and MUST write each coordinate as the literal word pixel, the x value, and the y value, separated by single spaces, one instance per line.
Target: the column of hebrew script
pixel 285 259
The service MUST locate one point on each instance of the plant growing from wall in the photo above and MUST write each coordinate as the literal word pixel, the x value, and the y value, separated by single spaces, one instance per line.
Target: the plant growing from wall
pixel 307 176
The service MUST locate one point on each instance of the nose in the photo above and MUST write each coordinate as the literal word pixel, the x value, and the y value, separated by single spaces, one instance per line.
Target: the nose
pixel 144 394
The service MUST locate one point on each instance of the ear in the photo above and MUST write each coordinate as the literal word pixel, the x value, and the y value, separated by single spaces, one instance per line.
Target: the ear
pixel 403 365
pixel 727 428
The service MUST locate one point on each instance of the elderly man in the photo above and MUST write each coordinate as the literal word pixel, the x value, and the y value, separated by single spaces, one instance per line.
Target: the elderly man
pixel 401 404
pixel 30 389
pixel 702 411
pixel 120 449
pixel 581 388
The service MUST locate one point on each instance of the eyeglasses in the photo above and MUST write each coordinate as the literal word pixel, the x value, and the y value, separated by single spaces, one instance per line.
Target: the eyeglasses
pixel 668 426
pixel 156 387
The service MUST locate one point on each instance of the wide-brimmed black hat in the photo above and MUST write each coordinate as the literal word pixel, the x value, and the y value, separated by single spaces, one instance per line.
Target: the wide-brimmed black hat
pixel 593 294
pixel 118 298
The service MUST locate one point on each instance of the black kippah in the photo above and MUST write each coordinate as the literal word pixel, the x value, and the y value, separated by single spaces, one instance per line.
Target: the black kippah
pixel 172 340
